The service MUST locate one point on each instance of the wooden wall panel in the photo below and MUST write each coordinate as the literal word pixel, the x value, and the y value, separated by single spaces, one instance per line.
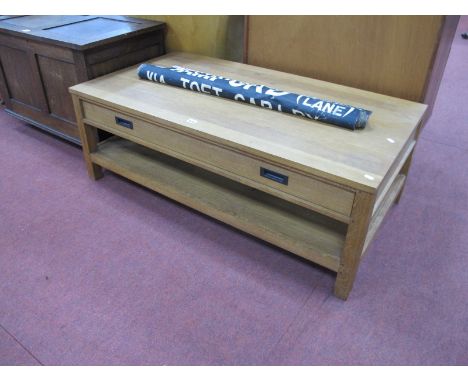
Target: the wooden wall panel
pixel 392 55
pixel 440 60
pixel 214 35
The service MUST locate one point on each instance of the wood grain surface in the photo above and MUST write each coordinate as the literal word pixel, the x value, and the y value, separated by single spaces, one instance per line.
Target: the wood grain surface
pixel 359 159
pixel 386 54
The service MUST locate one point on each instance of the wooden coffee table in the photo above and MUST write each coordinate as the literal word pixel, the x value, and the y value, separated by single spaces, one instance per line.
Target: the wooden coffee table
pixel 330 187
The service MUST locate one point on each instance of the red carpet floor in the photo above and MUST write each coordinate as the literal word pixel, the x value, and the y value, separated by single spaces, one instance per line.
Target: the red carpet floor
pixel 110 273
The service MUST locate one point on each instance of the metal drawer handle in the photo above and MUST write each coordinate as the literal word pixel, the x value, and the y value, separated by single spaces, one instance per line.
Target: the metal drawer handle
pixel 124 122
pixel 273 175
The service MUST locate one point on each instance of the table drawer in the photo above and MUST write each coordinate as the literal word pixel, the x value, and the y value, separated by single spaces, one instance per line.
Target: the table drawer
pixel 270 178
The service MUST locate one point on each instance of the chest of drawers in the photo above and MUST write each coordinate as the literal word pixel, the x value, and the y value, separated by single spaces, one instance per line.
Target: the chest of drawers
pixel 316 190
pixel 42 56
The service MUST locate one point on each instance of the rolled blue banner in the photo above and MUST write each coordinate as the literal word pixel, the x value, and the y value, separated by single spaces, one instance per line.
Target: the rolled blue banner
pixel 331 112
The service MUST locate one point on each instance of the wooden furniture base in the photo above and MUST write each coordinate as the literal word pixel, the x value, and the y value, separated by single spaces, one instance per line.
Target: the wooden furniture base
pixel 207 153
pixel 267 217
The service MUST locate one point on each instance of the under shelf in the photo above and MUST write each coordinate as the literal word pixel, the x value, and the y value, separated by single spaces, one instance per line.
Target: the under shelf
pixel 299 230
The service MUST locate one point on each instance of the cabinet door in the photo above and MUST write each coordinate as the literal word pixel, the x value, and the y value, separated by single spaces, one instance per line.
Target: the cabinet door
pixel 57 76
pixel 21 82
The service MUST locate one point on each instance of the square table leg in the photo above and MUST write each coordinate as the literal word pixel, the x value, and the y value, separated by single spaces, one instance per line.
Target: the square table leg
pixel 89 141
pixel 404 170
pixel 354 243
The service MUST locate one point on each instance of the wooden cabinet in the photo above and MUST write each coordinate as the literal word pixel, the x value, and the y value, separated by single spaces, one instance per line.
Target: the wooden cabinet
pixel 42 56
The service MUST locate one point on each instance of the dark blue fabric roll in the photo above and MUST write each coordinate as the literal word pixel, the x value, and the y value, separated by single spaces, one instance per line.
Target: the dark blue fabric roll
pixel 313 108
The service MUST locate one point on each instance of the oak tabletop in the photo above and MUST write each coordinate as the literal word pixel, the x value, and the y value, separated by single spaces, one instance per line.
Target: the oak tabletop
pixel 359 158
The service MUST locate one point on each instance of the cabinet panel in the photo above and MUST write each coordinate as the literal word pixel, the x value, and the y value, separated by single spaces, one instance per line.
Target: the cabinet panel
pixel 19 79
pixel 57 77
